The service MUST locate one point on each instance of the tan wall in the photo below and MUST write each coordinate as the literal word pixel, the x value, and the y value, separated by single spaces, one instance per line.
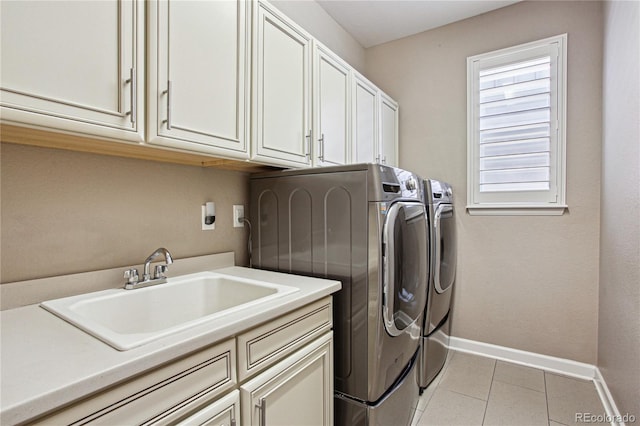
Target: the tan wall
pixel 313 18
pixel 619 318
pixel 529 283
pixel 66 212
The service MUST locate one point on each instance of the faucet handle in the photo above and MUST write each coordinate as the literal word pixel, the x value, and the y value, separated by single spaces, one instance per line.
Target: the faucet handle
pixel 160 270
pixel 131 275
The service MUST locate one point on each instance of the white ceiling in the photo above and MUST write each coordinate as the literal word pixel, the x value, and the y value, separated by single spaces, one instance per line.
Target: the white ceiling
pixel 374 22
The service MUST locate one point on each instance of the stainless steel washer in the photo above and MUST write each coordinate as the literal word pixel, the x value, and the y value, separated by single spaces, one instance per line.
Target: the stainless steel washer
pixel 442 272
pixel 365 225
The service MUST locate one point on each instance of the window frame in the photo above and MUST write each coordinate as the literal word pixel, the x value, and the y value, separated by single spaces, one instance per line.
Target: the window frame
pixel 520 202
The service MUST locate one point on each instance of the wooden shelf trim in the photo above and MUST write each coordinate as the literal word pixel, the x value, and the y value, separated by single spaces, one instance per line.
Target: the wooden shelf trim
pixel 71 142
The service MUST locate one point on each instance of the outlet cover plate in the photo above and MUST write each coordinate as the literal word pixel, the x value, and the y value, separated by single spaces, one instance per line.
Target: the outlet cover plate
pixel 238 213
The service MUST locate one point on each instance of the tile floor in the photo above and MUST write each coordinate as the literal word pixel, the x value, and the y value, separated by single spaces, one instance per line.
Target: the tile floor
pixel 473 390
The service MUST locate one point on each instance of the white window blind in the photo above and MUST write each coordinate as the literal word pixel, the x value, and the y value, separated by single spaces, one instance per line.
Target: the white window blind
pixel 516 136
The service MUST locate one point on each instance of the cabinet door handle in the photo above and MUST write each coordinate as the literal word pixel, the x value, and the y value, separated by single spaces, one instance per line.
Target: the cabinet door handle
pixel 262 406
pixel 321 140
pixel 308 138
pixel 134 95
pixel 168 93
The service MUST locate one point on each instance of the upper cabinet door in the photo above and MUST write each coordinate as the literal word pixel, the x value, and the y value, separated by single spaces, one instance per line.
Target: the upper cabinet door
pixel 365 112
pixel 74 66
pixel 388 131
pixel 332 130
pixel 198 75
pixel 281 90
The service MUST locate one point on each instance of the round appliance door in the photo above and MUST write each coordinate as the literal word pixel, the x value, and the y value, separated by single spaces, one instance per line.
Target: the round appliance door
pixel 405 265
pixel 444 247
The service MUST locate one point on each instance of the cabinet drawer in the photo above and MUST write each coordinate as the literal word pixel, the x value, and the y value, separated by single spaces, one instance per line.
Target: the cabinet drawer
pixel 159 396
pixel 266 344
pixel 225 411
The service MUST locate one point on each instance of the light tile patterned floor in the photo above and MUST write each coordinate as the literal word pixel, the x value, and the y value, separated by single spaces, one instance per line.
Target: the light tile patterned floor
pixel 476 391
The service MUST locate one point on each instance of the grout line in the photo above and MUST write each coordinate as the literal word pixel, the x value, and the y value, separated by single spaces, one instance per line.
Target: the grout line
pixel 516 384
pixel 546 397
pixel 493 377
pixel 417 415
pixel 468 396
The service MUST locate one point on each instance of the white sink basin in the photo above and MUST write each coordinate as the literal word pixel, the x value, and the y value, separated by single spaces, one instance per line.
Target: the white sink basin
pixel 128 318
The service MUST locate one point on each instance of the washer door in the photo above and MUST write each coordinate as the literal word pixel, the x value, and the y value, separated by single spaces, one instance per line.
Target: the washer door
pixel 405 265
pixel 445 248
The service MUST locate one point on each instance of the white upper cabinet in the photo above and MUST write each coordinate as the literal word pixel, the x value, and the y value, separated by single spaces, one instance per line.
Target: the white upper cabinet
pixel 365 121
pixel 281 90
pixel 74 66
pixel 231 78
pixel 198 76
pixel 332 115
pixel 375 121
pixel 388 130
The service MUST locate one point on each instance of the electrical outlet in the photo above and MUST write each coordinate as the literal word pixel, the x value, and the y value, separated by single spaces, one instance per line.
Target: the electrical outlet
pixel 238 213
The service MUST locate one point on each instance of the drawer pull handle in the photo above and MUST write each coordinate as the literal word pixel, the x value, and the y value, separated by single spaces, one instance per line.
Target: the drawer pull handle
pixel 168 93
pixel 262 406
pixel 134 95
pixel 308 138
pixel 321 140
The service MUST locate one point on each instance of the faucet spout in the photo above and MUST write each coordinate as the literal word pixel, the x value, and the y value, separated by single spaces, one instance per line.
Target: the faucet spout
pixel 147 263
pixel 133 280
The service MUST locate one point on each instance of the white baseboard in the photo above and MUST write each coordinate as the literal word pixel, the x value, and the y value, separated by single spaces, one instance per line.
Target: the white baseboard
pixel 551 364
pixel 607 399
pixel 530 359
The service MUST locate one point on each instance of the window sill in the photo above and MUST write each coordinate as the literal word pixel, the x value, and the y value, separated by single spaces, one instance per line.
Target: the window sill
pixel 516 210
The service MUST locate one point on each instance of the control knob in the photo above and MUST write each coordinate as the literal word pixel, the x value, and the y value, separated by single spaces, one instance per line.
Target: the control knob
pixel 410 184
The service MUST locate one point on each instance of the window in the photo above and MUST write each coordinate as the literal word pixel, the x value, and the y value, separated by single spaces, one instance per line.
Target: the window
pixel 516 133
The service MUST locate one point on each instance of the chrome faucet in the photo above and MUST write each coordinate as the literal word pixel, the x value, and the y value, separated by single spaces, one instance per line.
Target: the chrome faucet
pixel 160 269
pixel 132 274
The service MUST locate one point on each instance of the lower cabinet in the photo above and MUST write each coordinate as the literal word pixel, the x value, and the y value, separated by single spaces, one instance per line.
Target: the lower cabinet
pixel 296 391
pixel 277 373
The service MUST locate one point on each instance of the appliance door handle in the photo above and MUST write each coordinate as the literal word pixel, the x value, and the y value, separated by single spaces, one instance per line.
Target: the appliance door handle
pixel 388 263
pixel 443 210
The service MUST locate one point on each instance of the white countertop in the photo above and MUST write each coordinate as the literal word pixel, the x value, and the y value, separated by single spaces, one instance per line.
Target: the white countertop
pixel 47 362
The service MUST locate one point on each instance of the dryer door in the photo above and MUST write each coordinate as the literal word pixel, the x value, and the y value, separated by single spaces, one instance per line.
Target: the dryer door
pixel 445 247
pixel 405 265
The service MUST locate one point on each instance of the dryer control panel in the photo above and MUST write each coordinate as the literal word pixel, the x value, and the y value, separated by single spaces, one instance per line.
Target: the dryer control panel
pixel 393 183
pixel 441 192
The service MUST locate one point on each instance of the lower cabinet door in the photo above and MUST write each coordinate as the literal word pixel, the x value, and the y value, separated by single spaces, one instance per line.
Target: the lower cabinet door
pixel 297 391
pixel 223 412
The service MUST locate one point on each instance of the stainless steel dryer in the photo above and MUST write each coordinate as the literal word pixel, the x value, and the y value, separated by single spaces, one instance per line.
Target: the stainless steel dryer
pixel 366 226
pixel 442 272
